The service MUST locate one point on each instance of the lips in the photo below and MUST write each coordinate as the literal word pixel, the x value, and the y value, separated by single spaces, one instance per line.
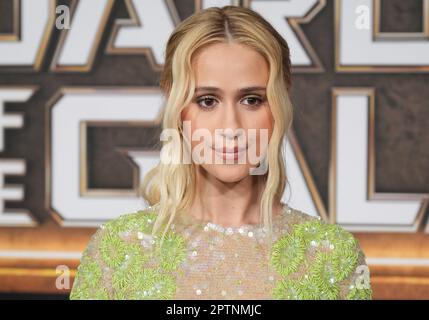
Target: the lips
pixel 230 153
pixel 235 149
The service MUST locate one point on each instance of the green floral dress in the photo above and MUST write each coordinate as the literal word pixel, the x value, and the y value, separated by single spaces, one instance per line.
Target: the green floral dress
pixel 307 259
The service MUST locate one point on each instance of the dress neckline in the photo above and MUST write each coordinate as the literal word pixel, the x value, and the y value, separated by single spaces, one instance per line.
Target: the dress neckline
pixel 244 229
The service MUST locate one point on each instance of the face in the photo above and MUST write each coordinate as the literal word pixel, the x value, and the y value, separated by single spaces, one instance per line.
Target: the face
pixel 229 118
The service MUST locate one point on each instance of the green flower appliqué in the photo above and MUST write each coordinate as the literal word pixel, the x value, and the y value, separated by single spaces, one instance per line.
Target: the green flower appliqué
pixel 336 257
pixel 310 232
pixel 308 288
pixel 324 272
pixel 345 262
pixel 359 294
pixel 137 265
pixel 88 278
pixel 342 239
pixel 136 282
pixel 114 251
pixel 141 270
pixel 286 290
pixel 287 254
pixel 141 221
pixel 125 274
pixel 172 252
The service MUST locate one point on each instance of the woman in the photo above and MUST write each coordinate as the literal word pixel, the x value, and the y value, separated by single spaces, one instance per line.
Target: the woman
pixel 216 227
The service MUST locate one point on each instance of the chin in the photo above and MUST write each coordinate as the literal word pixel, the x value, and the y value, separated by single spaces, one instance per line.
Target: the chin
pixel 228 173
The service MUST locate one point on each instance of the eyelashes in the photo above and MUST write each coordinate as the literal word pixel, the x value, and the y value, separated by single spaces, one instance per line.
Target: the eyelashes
pixel 209 102
pixel 204 99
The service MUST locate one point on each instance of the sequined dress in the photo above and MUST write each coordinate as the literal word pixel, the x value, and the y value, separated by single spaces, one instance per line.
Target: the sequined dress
pixel 307 259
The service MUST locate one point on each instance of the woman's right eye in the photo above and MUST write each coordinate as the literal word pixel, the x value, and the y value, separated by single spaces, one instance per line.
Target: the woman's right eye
pixel 206 103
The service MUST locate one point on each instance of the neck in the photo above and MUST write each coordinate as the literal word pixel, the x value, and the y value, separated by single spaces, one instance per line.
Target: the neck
pixel 227 204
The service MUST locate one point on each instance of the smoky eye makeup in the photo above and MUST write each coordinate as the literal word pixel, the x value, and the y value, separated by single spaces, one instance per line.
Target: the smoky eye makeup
pixel 258 100
pixel 204 99
pixel 208 102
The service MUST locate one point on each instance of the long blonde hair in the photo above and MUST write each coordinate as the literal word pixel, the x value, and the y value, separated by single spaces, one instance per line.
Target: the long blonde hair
pixel 171 187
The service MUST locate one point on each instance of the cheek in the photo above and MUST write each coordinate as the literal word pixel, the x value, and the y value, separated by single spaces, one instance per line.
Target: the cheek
pixel 262 120
pixel 263 123
pixel 197 118
pixel 196 122
pixel 267 122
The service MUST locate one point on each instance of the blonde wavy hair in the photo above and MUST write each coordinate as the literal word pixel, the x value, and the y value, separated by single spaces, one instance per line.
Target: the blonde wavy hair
pixel 171 187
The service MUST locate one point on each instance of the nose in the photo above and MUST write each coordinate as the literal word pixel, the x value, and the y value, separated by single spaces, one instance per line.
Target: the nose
pixel 231 121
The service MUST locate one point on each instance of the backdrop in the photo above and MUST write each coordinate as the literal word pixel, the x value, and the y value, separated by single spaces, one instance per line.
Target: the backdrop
pixel 80 111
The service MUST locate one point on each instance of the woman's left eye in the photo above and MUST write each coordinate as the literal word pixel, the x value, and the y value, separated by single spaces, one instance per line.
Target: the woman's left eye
pixel 253 101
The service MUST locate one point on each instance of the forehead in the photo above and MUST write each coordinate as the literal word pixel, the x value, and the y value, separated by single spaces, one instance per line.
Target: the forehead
pixel 230 65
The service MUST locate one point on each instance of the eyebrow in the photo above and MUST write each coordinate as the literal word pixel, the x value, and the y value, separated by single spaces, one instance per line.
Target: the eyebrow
pixel 242 90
